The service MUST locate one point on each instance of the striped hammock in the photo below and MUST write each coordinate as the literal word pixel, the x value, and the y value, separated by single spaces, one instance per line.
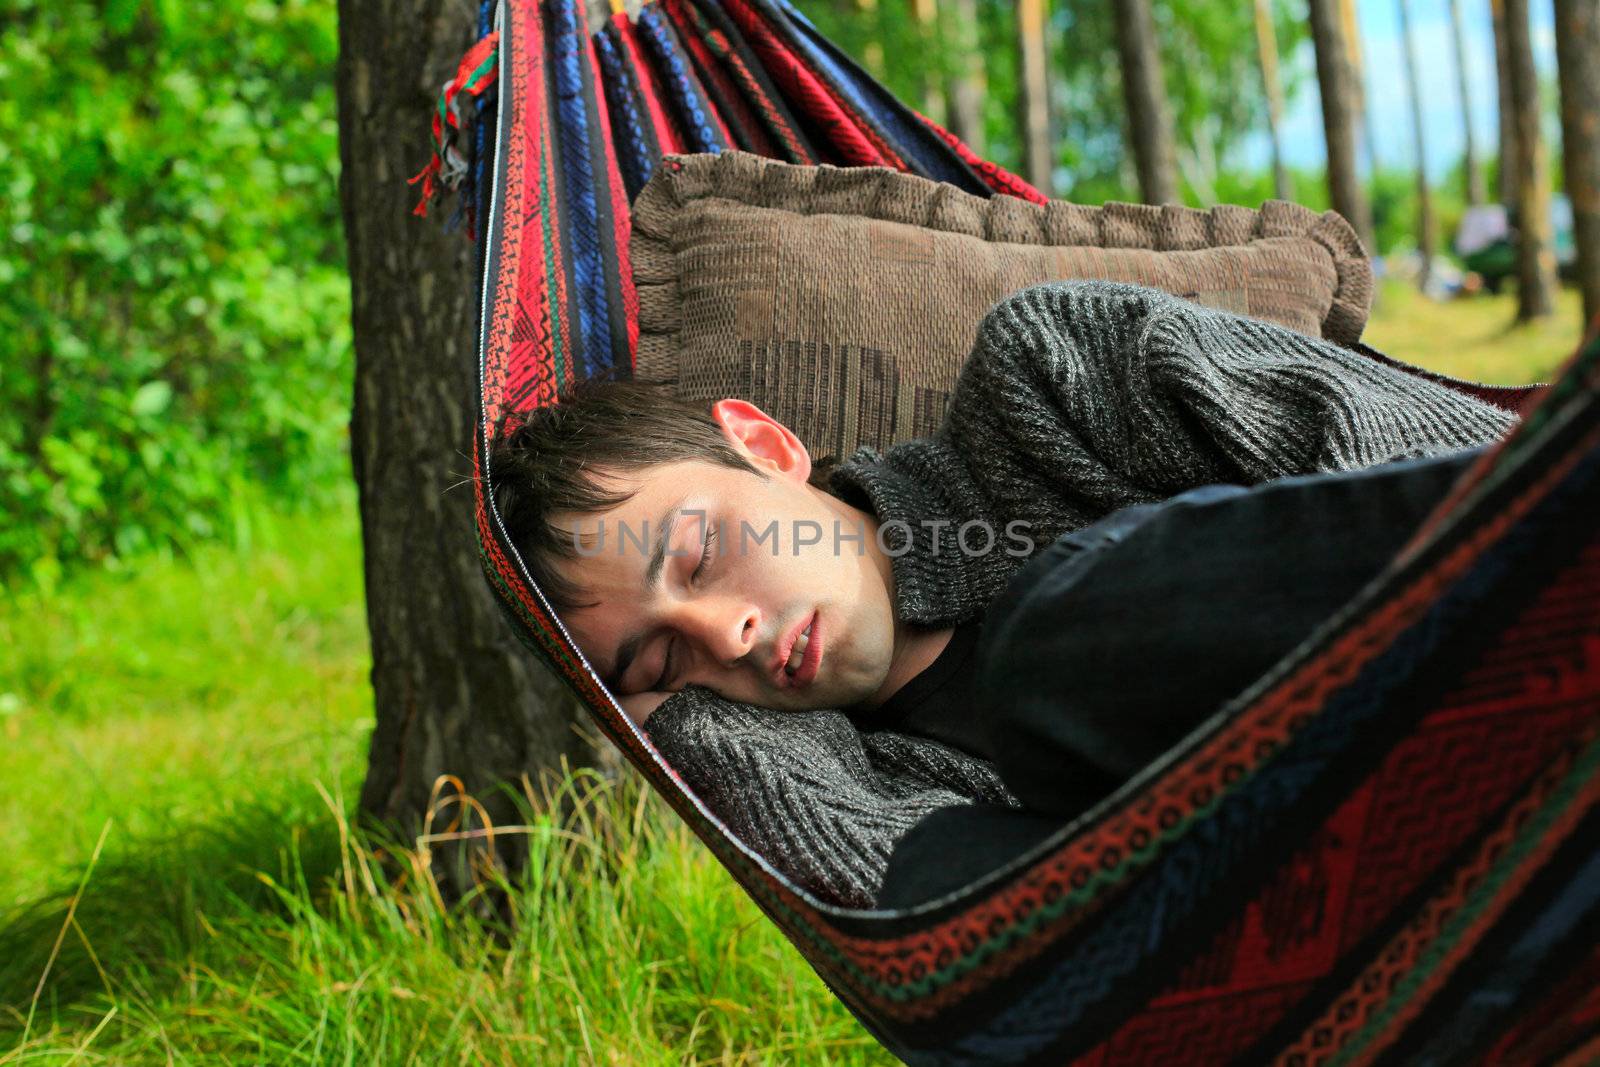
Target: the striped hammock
pixel 1387 850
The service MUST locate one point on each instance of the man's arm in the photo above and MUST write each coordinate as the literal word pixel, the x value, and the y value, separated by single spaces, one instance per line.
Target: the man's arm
pixel 820 801
pixel 1081 398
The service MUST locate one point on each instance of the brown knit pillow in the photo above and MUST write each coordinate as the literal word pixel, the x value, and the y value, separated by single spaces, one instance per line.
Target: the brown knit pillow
pixel 843 301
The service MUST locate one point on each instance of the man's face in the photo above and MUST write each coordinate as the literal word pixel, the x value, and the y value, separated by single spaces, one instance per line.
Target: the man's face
pixel 738 582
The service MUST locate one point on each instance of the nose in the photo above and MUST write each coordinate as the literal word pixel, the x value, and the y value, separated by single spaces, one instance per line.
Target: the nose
pixel 726 628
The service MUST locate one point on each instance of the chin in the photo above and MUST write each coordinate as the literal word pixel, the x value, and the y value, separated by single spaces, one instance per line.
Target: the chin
pixel 818 696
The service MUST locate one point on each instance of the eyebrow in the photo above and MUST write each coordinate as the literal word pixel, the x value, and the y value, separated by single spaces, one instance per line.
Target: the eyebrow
pixel 629 648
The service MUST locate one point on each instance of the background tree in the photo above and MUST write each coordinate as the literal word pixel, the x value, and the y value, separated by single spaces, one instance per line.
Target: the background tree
pixel 1351 24
pixel 1536 261
pixel 1213 86
pixel 1475 190
pixel 1145 92
pixel 932 99
pixel 1214 92
pixel 454 690
pixel 965 84
pixel 1425 224
pixel 872 53
pixel 1578 56
pixel 1267 50
pixel 1038 154
pixel 1340 102
pixel 1507 170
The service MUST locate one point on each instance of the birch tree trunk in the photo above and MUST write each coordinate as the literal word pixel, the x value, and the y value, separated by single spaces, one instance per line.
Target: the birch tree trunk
pixel 1578 54
pixel 1352 39
pixel 1144 92
pixel 454 691
pixel 1337 81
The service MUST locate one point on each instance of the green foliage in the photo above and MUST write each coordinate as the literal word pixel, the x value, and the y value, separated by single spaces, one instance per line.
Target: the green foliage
pixel 174 314
pixel 1308 187
pixel 1395 222
pixel 1214 90
pixel 1209 60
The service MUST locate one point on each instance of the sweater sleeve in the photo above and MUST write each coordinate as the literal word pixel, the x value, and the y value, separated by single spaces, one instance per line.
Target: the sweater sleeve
pixel 821 802
pixel 1103 395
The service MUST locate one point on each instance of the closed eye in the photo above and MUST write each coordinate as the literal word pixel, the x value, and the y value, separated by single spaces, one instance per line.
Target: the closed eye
pixel 709 543
pixel 666 670
pixel 705 555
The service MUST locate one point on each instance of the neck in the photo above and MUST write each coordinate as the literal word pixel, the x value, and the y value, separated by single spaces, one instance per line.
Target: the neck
pixel 915 649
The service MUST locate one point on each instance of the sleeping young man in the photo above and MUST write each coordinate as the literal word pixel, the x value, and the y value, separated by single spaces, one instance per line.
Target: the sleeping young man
pixel 1133 507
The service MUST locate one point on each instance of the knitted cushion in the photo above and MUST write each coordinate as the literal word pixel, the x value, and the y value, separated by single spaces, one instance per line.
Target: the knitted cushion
pixel 843 301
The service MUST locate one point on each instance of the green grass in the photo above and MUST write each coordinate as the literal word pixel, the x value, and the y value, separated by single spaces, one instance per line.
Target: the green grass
pixel 1474 338
pixel 179 744
pixel 178 691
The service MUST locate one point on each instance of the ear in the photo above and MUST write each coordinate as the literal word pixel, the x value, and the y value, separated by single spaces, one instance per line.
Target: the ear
pixel 762 439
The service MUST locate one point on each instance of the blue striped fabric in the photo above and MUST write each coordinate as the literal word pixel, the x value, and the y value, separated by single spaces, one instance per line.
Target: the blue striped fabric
pixel 587 291
pixel 689 100
pixel 1555 924
pixel 637 150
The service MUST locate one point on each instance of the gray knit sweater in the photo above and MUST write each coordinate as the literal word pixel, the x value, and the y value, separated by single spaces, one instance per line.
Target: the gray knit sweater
pixel 1077 399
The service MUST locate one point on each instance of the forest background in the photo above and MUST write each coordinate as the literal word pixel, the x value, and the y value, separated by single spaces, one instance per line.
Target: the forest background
pixel 184 704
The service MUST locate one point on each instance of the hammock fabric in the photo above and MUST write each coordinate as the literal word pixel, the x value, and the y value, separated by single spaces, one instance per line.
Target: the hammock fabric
pixel 1388 850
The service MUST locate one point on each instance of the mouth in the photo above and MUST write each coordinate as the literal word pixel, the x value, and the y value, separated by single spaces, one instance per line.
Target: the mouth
pixel 801 652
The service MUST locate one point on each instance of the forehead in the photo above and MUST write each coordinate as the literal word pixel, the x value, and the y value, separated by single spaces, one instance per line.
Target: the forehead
pixel 654 482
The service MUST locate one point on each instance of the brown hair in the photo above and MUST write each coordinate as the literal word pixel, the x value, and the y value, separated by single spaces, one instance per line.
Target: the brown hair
pixel 555 460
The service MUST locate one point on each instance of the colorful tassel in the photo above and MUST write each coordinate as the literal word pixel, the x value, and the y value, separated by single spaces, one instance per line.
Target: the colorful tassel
pixel 477 71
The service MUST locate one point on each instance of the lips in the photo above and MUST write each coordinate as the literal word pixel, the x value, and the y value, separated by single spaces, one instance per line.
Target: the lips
pixel 811 655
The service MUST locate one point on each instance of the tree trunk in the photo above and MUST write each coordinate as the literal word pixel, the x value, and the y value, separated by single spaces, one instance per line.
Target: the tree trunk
pixel 1475 190
pixel 1144 90
pixel 1038 156
pixel 926 13
pixel 1267 51
pixel 454 690
pixel 1340 100
pixel 1506 171
pixel 967 81
pixel 1536 260
pixel 1578 54
pixel 1425 230
pixel 1352 39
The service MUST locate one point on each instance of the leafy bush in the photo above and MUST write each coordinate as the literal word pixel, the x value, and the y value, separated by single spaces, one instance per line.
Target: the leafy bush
pixel 174 313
